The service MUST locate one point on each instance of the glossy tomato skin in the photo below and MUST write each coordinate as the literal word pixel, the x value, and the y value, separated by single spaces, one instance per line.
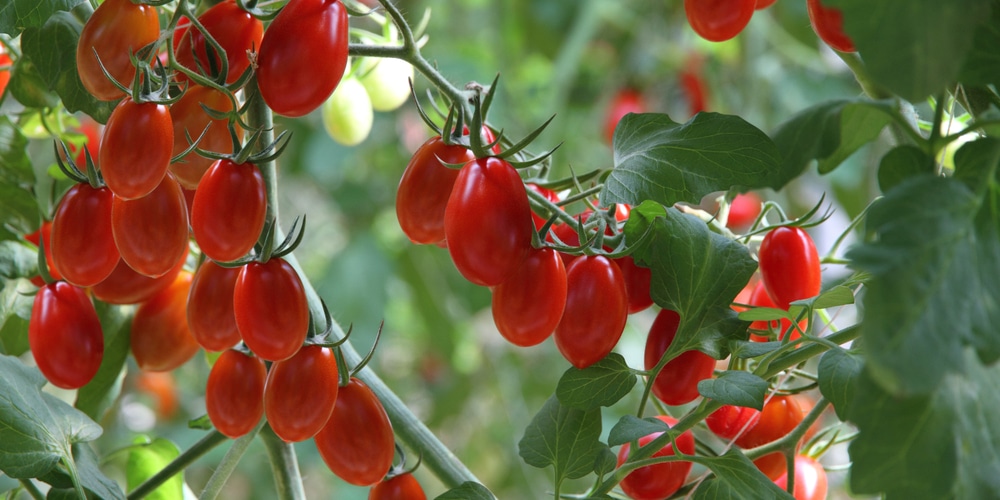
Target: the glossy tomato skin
pixel 65 335
pixel 528 305
pixel 810 479
pixel 300 393
pixel 828 23
pixel 425 187
pixel 291 81
pixel 596 311
pixel 760 298
pixel 781 414
pixel 401 487
pixel 44 233
pixel 233 28
pixel 161 339
pixel 677 382
pixel 136 148
pixel 637 282
pixel 624 102
pixel 234 395
pixel 5 60
pixel 113 30
pixel 210 313
pixel 125 286
pixel 719 20
pixel 731 421
pixel 357 443
pixel 743 211
pixel 487 221
pixel 789 265
pixel 83 245
pixel 658 481
pixel 228 212
pixel 189 119
pixel 152 232
pixel 271 311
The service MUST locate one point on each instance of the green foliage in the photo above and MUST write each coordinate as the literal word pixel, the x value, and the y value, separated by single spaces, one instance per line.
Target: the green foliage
pixel 602 384
pixel 99 394
pixel 467 491
pixel 839 371
pixel 145 459
pixel 16 15
pixel 630 428
pixel 735 387
pixel 93 481
pixel 565 438
pixel 735 477
pixel 901 163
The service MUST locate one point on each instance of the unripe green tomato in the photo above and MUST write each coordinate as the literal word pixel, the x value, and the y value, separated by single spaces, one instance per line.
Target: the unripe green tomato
pixel 347 114
pixel 387 83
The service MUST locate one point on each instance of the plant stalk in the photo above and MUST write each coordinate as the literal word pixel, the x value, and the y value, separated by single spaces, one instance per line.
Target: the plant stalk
pixel 206 444
pixel 284 466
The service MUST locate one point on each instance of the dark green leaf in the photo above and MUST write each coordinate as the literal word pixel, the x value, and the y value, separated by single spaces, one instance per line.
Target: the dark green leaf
pixel 838 379
pixel 100 393
pixel 15 166
pixel 746 349
pixel 605 462
pixel 982 63
pixel 660 160
pixel 735 477
pixel 735 387
pixel 467 491
pixel 630 428
pixel 565 438
pixel 145 461
pixel 901 163
pixel 27 86
pixel 976 403
pixel 860 123
pixel 16 15
pixel 600 384
pixel 92 479
pixel 834 297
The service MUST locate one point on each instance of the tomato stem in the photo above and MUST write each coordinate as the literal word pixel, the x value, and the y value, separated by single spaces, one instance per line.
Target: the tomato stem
pixel 177 465
pixel 228 464
pixel 32 490
pixel 284 465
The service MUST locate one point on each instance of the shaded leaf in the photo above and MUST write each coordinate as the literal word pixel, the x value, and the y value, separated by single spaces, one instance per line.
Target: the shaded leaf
pixel 15 15
pixel 605 462
pixel 982 63
pixel 15 166
pixel 100 393
pixel 901 163
pixel 602 384
pixel 735 476
pixel 838 379
pixel 630 428
pixel 735 387
pixel 563 437
pixel 95 482
pixel 467 491
pixel 746 349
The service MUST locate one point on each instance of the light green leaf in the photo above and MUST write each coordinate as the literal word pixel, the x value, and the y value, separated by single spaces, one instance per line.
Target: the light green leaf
pixel 91 478
pixel 99 394
pixel 563 437
pixel 602 384
pixel 834 297
pixel 15 166
pixel 735 387
pixel 745 349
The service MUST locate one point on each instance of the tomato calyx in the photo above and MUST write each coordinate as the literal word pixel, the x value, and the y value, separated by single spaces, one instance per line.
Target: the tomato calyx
pixel 90 175
pixel 399 469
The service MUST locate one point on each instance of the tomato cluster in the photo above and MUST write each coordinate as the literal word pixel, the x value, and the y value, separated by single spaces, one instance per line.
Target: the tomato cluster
pixel 721 20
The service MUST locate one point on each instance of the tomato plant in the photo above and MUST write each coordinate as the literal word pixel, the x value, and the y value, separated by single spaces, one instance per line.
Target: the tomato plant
pixel 190 120
pixel 828 22
pixel 659 480
pixel 789 266
pixel 235 30
pixel 677 382
pixel 83 244
pixel 425 187
pixel 718 20
pixel 528 305
pixel 810 479
pixel 228 211
pixel 781 414
pixel 399 487
pixel 743 211
pixel 357 442
pixel 210 313
pixel 117 29
pixel 760 298
pixel 234 393
pixel 65 335
pixel 595 313
pixel 40 235
pixel 160 337
pixel 301 392
pixel 271 311
pixel 731 421
pixel 136 148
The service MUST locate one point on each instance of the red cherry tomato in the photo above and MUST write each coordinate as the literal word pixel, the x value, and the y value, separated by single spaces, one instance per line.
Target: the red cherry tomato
pixel 305 32
pixel 92 130
pixel 596 311
pixel 694 86
pixel 828 23
pixel 624 102
pixel 528 305
pixel 780 416
pixel 401 487
pixel 234 395
pixel 789 265
pixel 271 310
pixel 210 312
pixel 82 241
pixel 116 28
pixel 161 339
pixel 760 298
pixel 731 421
pixel 487 221
pixel 136 148
pixel 189 119
pixel 233 28
pixel 677 383
pixel 637 282
pixel 300 393
pixel 228 212
pixel 357 443
pixel 152 232
pixel 162 387
pixel 549 195
pixel 5 60
pixel 65 335
pixel 763 4
pixel 719 20
pixel 743 211
pixel 658 481
pixel 125 286
pixel 810 479
pixel 44 233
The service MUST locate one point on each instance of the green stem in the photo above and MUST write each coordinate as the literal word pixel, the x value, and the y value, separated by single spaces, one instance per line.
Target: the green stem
pixel 284 466
pixel 857 66
pixel 228 464
pixel 74 476
pixel 32 490
pixel 206 444
pixel 790 439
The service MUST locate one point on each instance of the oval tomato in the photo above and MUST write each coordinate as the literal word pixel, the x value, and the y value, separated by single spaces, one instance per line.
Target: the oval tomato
pixel 152 232
pixel 357 443
pixel 789 265
pixel 44 233
pixel 65 335
pixel 677 382
pixel 162 387
pixel 781 414
pixel 233 28
pixel 719 20
pixel 657 481
pixel 810 479
pixel 387 83
pixel 596 311
pixel 743 211
pixel 300 393
pixel 624 102
pixel 731 421
pixel 116 28
pixel 425 187
pixel 228 212
pixel 136 148
pixel 828 23
pixel 400 487
pixel 161 339
pixel 271 310
pixel 189 119
pixel 125 286
pixel 210 313
pixel 348 114
pixel 234 395
pixel 303 33
pixel 528 305
pixel 83 244
pixel 637 282
pixel 5 60
pixel 760 298
pixel 487 221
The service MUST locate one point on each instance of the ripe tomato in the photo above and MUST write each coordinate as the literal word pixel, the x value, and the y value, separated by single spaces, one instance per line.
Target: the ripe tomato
pixel 5 60
pixel 162 387
pixel 303 33
pixel 624 102
pixel 401 487
pixel 228 212
pixel 357 443
pixel 658 481
pixel 161 339
pixel 719 20
pixel 595 313
pixel 425 187
pixel 300 393
pixel 82 239
pixel 760 298
pixel 528 305
pixel 136 148
pixel 125 286
pixel 210 314
pixel 780 416
pixel 730 421
pixel 637 282
pixel 116 28
pixel 810 479
pixel 92 130
pixel 828 23
pixel 188 116
pixel 677 383
pixel 271 311
pixel 233 28
pixel 743 211
pixel 234 395
pixel 789 265
pixel 65 335
pixel 44 233
pixel 348 114
pixel 694 87
pixel 152 232
pixel 487 221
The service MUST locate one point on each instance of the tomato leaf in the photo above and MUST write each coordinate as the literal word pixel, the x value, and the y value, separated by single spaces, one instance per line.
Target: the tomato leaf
pixel 764 314
pixel 901 163
pixel 605 462
pixel 17 260
pixel 834 297
pixel 735 387
pixel 838 379
pixel 467 491
pixel 980 66
pixel 99 394
pixel 27 86
pixel 15 166
pixel 16 15
pixel 734 476
pixel 91 478
pixel 602 384
pixel 660 160
pixel 565 438
pixel 746 349
pixel 630 428
pixel 149 458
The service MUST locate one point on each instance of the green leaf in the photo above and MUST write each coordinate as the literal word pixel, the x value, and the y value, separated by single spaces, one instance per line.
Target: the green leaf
pixel 16 15
pixel 99 394
pixel 838 379
pixel 687 261
pixel 630 428
pixel 860 123
pixel 565 438
pixel 660 160
pixel 834 297
pixel 913 48
pixel 901 163
pixel 982 63
pixel 145 461
pixel 764 314
pixel 17 260
pixel 19 207
pixel 976 402
pixel 27 86
pixel 735 476
pixel 15 311
pixel 605 462
pixel 15 166
pixel 467 491
pixel 91 478
pixel 602 384
pixel 735 387
pixel 745 349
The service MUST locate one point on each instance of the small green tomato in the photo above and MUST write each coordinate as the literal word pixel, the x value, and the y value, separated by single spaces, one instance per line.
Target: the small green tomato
pixel 347 114
pixel 387 83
